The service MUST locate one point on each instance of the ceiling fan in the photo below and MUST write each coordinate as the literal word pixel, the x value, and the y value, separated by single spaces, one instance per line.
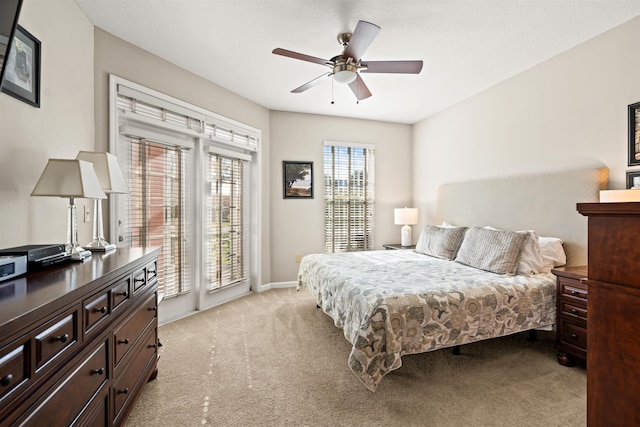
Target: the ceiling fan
pixel 346 67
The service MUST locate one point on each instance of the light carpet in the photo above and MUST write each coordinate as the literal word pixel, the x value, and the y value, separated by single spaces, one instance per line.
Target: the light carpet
pixel 274 359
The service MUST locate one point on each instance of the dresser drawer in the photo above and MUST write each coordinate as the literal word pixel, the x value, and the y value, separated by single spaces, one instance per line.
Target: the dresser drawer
pixel 131 378
pixel 14 367
pixel 126 336
pixel 573 309
pixel 120 293
pixel 70 395
pixel 56 337
pixel 95 309
pixel 152 271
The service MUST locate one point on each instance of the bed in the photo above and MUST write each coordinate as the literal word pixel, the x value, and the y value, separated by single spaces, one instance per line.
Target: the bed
pixel 450 292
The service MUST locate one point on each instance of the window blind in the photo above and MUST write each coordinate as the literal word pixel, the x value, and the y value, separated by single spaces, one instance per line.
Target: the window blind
pixel 157 211
pixel 349 184
pixel 226 248
pixel 137 106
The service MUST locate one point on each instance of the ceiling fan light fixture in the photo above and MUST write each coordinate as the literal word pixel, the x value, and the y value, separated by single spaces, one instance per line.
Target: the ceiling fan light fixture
pixel 345 73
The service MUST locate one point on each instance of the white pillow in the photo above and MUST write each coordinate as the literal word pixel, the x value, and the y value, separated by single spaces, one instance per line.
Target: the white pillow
pixel 445 224
pixel 531 261
pixel 552 251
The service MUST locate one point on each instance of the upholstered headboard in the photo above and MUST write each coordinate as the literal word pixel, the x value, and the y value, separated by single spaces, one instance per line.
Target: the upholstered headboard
pixel 545 203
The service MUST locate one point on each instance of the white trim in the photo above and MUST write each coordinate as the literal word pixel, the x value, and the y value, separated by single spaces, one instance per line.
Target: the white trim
pixel 348 144
pixel 214 149
pixel 276 285
pixel 134 131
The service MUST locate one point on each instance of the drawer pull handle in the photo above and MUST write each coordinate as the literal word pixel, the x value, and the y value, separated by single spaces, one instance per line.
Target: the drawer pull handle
pixel 6 380
pixel 124 341
pixel 98 371
pixel 152 308
pixel 574 311
pixel 124 391
pixel 574 336
pixel 574 292
pixel 123 294
pixel 139 280
pixel 152 346
pixel 62 338
pixel 102 310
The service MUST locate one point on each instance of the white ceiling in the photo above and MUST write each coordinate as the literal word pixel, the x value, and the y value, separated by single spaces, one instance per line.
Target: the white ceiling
pixel 467 46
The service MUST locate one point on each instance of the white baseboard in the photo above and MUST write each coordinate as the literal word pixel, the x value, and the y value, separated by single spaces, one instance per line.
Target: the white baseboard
pixel 275 285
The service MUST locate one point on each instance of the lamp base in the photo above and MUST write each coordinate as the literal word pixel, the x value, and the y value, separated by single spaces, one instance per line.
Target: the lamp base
pixel 406 235
pixel 100 245
pixel 79 254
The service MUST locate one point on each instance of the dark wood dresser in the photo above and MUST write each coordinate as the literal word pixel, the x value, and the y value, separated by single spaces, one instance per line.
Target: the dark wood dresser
pixel 613 364
pixel 78 341
pixel 571 314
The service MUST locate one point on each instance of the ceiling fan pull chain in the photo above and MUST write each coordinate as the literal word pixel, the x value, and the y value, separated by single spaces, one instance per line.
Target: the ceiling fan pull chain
pixel 332 92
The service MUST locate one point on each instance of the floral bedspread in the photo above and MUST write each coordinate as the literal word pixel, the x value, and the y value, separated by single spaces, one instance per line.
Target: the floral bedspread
pixel 395 302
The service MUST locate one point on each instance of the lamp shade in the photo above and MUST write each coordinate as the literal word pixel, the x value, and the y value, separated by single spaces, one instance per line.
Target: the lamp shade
pixel 612 196
pixel 107 169
pixel 402 216
pixel 69 178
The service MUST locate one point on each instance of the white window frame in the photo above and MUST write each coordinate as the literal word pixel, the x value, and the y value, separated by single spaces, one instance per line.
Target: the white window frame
pixel 207 129
pixel 370 244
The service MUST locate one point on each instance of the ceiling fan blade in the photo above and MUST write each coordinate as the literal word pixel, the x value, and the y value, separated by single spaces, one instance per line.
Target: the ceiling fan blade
pixel 361 38
pixel 359 89
pixel 403 67
pixel 302 56
pixel 312 83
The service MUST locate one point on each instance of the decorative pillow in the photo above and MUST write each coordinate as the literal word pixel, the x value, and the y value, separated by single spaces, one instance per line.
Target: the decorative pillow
pixel 497 251
pixel 440 242
pixel 530 261
pixel 552 251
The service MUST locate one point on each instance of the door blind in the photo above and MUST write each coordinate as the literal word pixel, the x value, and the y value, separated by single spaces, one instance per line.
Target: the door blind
pixel 227 254
pixel 156 212
pixel 349 198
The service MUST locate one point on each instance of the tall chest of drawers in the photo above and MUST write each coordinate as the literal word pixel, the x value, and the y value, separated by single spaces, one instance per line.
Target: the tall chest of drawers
pixel 613 363
pixel 78 341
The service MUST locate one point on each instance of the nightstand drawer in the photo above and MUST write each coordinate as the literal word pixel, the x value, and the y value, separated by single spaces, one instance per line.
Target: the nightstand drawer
pixel 573 309
pixel 574 335
pixel 573 289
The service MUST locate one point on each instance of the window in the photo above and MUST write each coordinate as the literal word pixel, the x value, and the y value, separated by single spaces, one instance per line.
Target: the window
pixel 194 181
pixel 226 246
pixel 349 197
pixel 156 210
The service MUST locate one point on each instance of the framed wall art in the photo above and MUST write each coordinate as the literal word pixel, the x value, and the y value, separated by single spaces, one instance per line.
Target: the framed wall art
pixel 22 76
pixel 634 134
pixel 297 180
pixel 633 179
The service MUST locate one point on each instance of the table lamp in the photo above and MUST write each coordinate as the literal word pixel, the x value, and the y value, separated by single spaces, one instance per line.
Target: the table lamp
pixel 405 217
pixel 73 179
pixel 112 181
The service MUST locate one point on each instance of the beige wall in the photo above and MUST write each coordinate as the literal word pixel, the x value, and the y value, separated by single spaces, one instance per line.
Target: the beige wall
pixel 566 113
pixel 115 56
pixel 297 225
pixel 61 127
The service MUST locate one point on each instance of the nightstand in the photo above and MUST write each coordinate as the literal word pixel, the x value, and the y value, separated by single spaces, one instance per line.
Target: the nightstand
pixel 389 246
pixel 571 314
